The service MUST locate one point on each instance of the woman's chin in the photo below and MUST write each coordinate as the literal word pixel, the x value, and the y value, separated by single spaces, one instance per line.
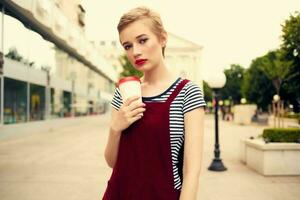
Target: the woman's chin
pixel 141 68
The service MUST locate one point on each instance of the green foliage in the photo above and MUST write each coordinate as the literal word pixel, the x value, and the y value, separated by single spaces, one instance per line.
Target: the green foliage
pixel 282 134
pixel 275 67
pixel 293 116
pixel 266 77
pixel 277 71
pixel 257 88
pixel 291 36
pixel 207 92
pixel 291 50
pixel 14 55
pixel 128 69
pixel 281 68
pixel 234 80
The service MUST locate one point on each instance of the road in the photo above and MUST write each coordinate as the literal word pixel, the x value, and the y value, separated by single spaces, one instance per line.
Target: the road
pixel 68 164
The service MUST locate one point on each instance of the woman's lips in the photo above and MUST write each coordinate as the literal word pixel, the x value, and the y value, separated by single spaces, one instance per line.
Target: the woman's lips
pixel 140 62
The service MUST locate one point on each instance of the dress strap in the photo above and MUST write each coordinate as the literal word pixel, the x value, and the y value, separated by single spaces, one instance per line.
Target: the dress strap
pixel 177 90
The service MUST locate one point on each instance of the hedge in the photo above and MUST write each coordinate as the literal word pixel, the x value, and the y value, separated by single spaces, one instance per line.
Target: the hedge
pixel 282 134
pixel 293 116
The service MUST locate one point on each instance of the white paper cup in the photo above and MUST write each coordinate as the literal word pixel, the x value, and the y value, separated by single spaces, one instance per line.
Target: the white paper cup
pixel 130 86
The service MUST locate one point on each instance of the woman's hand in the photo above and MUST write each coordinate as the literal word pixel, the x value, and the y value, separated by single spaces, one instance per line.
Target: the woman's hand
pixel 131 111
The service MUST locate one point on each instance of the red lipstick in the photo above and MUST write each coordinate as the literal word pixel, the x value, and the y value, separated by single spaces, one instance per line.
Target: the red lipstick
pixel 140 62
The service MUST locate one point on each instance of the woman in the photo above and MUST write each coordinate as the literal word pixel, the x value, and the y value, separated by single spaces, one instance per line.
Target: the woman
pixel 154 147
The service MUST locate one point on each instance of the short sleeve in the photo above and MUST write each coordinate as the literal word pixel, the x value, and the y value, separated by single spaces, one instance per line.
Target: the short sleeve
pixel 193 97
pixel 117 99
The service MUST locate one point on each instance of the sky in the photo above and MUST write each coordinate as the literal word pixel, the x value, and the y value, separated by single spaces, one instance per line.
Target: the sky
pixel 230 31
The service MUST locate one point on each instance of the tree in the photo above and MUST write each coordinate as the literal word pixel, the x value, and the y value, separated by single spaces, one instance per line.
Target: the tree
pixel 275 68
pixel 291 51
pixel 128 69
pixel 257 87
pixel 291 37
pixel 234 79
pixel 272 68
pixel 207 92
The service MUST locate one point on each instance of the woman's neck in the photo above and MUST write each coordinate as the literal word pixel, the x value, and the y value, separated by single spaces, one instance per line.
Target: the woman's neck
pixel 158 75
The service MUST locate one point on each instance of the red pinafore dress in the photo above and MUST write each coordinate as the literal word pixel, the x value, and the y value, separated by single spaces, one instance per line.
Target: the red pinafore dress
pixel 144 170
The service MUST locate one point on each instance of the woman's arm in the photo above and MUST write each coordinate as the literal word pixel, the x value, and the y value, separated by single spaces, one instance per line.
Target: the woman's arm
pixel 112 146
pixel 193 147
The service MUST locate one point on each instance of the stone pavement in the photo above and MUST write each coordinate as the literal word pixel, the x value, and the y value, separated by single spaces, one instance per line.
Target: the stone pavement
pixel 68 164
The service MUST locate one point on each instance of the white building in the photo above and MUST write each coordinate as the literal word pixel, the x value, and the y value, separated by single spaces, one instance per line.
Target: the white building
pixel 184 57
pixel 50 69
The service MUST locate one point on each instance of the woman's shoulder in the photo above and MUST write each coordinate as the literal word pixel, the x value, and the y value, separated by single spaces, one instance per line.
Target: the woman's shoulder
pixel 190 85
pixel 193 97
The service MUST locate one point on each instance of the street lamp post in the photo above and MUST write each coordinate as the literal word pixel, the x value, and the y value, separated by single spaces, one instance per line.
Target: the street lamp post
pixel 217 82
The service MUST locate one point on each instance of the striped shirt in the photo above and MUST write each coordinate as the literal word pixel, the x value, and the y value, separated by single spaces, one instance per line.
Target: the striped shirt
pixel 189 98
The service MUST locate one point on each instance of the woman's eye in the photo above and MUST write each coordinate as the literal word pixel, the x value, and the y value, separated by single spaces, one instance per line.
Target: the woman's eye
pixel 142 41
pixel 126 47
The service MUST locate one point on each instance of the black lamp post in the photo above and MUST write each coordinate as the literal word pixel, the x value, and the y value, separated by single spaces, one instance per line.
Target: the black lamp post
pixel 216 84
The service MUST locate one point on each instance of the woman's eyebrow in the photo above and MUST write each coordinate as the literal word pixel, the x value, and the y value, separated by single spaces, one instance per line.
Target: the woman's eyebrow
pixel 137 37
pixel 125 43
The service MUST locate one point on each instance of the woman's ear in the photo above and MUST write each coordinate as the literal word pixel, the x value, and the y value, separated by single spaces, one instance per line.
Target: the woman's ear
pixel 164 39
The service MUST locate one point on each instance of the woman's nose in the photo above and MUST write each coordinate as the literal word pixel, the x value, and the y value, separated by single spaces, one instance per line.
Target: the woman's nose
pixel 136 51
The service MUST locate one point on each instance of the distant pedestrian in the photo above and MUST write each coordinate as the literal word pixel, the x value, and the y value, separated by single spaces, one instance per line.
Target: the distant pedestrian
pixel 154 146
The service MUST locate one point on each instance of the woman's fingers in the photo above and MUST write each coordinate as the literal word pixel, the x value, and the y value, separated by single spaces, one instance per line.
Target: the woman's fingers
pixel 131 111
pixel 136 104
pixel 138 111
pixel 130 100
pixel 136 118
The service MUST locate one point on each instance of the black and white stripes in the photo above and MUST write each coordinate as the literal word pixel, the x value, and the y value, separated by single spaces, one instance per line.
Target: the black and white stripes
pixel 189 98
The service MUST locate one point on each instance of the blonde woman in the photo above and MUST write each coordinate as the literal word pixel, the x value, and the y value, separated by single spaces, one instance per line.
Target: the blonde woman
pixel 154 147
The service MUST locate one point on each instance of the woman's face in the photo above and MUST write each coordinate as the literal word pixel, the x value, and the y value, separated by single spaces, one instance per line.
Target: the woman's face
pixel 143 48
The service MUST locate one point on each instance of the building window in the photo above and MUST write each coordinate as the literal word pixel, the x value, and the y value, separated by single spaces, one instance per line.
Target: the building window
pixel 37 102
pixel 15 101
pixel 67 101
pixel 114 43
pixel 102 43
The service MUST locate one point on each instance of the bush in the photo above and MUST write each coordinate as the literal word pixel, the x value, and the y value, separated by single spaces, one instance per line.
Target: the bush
pixel 293 116
pixel 282 135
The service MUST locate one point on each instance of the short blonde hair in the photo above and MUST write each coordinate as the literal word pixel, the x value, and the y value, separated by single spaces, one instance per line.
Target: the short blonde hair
pixel 143 13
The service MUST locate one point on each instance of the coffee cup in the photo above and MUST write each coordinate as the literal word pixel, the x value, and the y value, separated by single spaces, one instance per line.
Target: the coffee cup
pixel 130 86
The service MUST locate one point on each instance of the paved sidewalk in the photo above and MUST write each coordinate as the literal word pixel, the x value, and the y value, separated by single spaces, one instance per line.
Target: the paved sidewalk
pixel 68 164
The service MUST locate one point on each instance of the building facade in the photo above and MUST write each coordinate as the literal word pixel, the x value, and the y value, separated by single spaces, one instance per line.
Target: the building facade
pixel 49 68
pixel 184 57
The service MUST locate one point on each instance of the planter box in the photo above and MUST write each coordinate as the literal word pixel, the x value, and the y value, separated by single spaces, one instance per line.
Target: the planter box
pixel 285 122
pixel 244 113
pixel 272 158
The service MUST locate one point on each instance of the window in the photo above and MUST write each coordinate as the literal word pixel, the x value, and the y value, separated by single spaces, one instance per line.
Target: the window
pixel 37 102
pixel 15 101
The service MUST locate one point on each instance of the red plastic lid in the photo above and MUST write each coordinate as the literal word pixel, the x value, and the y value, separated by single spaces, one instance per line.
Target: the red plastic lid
pixel 129 78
